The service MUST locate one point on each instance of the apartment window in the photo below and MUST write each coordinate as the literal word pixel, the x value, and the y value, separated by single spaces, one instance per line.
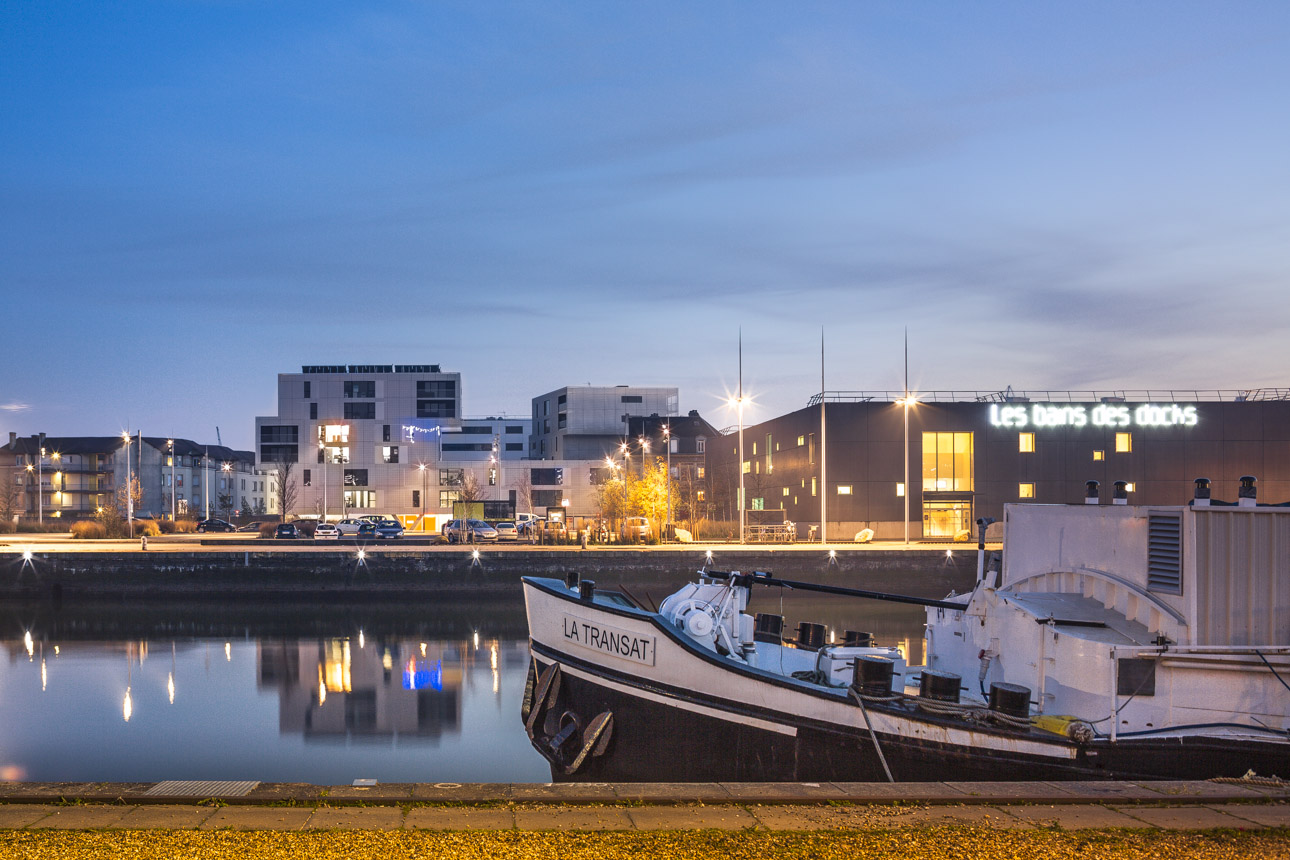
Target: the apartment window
pixel 514 428
pixel 385 432
pixel 451 477
pixel 356 477
pixel 307 394
pixel 672 446
pixel 1026 443
pixel 360 390
pixel 1130 487
pixel 632 398
pixel 416 498
pixel 390 453
pixel 786 491
pixel 514 446
pixel 447 497
pixel 1123 443
pixel 360 499
pixel 1025 491
pixel 700 495
pixel 699 445
pixel 437 389
pixel 758 504
pixel 754 449
pixel 900 490
pixel 747 467
pixel 1099 455
pixel 547 499
pixel 436 409
pixel 801 440
pixel 492 477
pixel 358 411
pixel 306 477
pixel 546 477
pixel 313 411
pixel 844 489
pixel 699 473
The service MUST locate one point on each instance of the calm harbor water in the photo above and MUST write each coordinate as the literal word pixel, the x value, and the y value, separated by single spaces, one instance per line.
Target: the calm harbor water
pixel 293 693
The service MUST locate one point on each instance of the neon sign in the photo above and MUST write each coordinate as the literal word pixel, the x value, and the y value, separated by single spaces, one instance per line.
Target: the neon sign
pixel 1101 415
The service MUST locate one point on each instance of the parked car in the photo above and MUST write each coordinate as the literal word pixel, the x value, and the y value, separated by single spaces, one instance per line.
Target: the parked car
pixel 351 527
pixel 250 527
pixel 387 527
pixel 507 531
pixel 521 520
pixel 326 531
pixel 475 531
pixel 286 531
pixel 214 525
pixel 635 529
pixel 528 529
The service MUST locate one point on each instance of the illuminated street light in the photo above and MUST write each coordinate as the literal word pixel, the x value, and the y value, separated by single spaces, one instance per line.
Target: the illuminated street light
pixel 667 443
pixel 170 445
pixel 129 504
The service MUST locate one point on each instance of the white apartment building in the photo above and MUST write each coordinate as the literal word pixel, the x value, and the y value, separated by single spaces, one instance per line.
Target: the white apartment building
pixel 391 439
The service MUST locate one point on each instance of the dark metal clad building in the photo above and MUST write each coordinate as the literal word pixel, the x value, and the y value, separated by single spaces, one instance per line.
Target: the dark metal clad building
pixel 971 453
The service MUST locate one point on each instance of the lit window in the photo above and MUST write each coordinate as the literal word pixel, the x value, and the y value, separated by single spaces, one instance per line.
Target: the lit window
pixel 786 491
pixel 1099 455
pixel 747 466
pixel 1026 443
pixel 812 486
pixel 844 489
pixel 801 440
pixel 1026 491
pixel 1123 443
pixel 900 489
pixel 754 449
pixel 1128 488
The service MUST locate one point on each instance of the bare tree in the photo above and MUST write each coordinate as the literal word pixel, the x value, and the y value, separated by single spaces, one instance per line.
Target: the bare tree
pixel 523 486
pixel 471 490
pixel 282 473
pixel 10 494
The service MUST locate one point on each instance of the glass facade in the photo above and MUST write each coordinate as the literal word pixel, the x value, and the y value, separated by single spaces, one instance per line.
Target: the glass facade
pixel 947 462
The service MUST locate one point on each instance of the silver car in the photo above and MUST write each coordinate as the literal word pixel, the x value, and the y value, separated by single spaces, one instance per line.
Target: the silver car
pixel 469 531
pixel 507 531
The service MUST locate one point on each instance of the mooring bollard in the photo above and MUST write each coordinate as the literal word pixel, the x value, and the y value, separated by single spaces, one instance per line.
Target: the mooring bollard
pixel 143 542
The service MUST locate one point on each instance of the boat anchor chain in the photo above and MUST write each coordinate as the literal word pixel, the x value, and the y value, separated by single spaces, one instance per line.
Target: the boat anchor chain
pixel 570 743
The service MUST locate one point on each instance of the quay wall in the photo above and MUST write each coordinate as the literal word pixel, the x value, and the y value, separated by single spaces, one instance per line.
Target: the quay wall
pixel 394 574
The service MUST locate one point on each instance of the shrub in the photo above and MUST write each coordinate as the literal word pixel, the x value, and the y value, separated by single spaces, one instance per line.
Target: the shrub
pixel 306 528
pixel 8 527
pixel 51 525
pixel 146 528
pixel 267 530
pixel 167 526
pixel 89 530
pixel 185 527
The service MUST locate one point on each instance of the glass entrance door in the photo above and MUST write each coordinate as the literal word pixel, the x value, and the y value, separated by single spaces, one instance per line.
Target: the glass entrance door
pixel 946 519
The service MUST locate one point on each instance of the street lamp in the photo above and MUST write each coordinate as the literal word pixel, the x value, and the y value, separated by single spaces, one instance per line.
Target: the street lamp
pixel 421 467
pixel 206 489
pixel 667 442
pixel 738 404
pixel 908 402
pixel 170 445
pixel 226 469
pixel 129 490
pixel 322 448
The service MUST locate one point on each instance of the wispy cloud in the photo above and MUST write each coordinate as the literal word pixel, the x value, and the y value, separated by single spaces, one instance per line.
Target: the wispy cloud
pixel 15 407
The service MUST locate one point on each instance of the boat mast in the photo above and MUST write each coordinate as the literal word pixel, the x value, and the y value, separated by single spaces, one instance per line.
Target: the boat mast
pixel 824 495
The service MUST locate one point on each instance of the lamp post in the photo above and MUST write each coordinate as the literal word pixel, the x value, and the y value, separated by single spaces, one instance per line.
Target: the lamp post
pixel 129 494
pixel 170 445
pixel 206 481
pixel 322 447
pixel 421 467
pixel 907 403
pixel 738 404
pixel 40 484
pixel 226 468
pixel 667 442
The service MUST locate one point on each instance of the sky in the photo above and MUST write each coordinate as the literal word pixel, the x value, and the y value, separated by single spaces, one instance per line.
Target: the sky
pixel 197 196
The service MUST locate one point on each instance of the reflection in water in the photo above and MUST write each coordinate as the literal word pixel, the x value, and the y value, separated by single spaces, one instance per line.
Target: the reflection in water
pixel 315 694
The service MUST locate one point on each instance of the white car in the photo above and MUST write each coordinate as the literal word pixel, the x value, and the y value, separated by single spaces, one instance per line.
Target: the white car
pixel 506 530
pixel 326 531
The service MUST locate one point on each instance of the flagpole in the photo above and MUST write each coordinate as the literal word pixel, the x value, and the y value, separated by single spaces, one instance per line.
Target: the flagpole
pixel 824 494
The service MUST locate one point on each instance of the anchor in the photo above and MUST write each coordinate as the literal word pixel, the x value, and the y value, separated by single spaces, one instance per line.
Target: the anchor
pixel 572 742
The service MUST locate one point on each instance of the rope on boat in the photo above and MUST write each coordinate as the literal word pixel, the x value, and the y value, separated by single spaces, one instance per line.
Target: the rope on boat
pixel 872 734
pixel 1250 778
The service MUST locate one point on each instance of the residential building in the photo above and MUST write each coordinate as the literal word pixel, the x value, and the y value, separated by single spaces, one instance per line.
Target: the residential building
pixel 78 475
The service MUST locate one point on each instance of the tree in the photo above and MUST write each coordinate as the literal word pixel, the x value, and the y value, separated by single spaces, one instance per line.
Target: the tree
pixel 10 494
pixel 224 501
pixel 523 486
pixel 648 496
pixel 282 473
pixel 611 497
pixel 247 507
pixel 471 490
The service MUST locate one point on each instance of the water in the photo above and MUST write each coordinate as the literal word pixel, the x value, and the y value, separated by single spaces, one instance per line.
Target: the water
pixel 290 693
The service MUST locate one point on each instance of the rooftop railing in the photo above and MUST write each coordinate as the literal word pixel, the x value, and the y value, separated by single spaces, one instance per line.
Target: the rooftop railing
pixel 1188 395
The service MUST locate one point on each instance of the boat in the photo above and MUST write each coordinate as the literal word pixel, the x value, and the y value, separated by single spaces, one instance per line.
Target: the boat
pixel 1104 642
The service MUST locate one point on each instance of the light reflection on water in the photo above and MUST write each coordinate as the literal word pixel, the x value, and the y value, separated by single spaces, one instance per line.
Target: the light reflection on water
pixel 299 694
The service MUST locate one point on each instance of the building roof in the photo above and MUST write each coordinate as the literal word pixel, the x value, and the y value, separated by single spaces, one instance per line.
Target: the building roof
pixel 112 444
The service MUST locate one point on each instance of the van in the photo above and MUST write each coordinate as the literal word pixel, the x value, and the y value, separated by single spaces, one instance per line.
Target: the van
pixel 521 520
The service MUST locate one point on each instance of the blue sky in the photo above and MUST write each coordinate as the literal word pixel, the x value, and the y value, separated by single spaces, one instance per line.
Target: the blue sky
pixel 195 197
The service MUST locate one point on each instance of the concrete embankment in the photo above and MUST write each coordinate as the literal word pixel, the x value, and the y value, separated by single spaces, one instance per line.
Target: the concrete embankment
pixel 389 573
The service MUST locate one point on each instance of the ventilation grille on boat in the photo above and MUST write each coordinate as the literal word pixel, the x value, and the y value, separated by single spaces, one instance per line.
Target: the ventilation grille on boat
pixel 1164 553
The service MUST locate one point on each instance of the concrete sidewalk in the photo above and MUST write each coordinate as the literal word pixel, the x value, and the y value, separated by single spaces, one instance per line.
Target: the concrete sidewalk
pixel 646 807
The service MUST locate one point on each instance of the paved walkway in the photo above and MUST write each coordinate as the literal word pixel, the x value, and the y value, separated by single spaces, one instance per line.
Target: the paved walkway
pixel 774 807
